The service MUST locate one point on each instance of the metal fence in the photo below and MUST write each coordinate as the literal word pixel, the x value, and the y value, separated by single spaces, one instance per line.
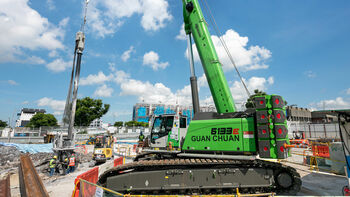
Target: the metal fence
pixel 325 130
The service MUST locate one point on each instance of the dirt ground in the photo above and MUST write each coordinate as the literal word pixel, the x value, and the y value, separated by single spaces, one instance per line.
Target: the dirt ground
pixel 313 183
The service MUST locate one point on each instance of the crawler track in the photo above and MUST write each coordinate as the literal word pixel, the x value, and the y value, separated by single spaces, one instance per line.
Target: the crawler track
pixel 30 182
pixel 182 168
pixel 5 190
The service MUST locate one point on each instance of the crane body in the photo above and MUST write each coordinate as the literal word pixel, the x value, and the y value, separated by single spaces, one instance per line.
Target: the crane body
pixel 218 152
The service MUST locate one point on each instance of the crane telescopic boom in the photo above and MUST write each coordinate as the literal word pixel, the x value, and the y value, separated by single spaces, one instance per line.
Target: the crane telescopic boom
pixel 196 25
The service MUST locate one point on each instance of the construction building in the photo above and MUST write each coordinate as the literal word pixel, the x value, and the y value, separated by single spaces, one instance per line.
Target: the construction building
pixel 324 116
pixel 143 111
pixel 26 114
pixel 298 114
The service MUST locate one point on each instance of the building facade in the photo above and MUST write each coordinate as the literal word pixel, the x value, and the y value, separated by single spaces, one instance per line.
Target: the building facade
pixel 97 123
pixel 26 114
pixel 143 111
pixel 298 114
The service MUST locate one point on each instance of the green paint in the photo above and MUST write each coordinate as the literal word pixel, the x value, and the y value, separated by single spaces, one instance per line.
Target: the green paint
pixel 220 135
pixel 196 25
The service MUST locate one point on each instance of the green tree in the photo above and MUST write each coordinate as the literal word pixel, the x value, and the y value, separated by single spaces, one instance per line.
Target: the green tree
pixel 118 124
pixel 41 119
pixel 130 123
pixel 137 124
pixel 89 109
pixel 3 123
pixel 250 101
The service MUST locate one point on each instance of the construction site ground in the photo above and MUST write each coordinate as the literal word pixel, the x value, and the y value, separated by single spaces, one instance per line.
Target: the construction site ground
pixel 313 183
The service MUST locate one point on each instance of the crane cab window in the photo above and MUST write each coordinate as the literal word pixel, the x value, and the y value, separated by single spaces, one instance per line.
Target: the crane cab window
pixel 183 122
pixel 162 126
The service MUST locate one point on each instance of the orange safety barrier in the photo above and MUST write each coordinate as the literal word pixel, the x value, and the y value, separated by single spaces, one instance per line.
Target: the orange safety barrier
pixel 91 176
pixel 299 141
pixel 320 150
pixel 295 146
pixel 134 147
pixel 118 161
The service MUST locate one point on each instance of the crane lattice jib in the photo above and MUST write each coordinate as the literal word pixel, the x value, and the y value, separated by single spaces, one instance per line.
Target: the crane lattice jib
pixel 196 25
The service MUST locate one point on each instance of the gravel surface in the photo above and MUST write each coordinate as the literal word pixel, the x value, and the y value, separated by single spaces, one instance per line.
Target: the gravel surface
pixel 9 157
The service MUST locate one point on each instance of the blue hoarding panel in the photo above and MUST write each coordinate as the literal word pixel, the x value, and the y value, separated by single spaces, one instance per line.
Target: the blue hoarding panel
pixel 141 111
pixel 170 111
pixel 159 110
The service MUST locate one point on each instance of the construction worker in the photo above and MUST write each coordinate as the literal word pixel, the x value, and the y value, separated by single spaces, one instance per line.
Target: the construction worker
pixel 141 137
pixel 65 165
pixel 71 165
pixel 52 165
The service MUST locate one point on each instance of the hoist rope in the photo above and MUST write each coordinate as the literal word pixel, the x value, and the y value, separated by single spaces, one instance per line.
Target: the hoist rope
pixel 216 28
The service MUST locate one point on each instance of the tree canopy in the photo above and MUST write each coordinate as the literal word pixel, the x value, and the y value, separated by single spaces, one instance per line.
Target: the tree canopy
pixel 89 109
pixel 3 123
pixel 118 124
pixel 41 119
pixel 250 101
pixel 138 124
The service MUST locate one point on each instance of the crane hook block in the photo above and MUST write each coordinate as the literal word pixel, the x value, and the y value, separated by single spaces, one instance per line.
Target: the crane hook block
pixel 80 41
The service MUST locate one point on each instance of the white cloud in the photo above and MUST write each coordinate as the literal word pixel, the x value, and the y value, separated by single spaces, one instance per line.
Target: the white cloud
pixel 152 59
pixel 182 33
pixel 238 92
pixel 126 55
pixel 106 16
pixel 63 23
pixel 338 103
pixel 25 102
pixel 53 53
pixel 121 76
pixel 310 74
pixel 103 91
pixel 50 4
pixel 111 66
pixel 56 105
pixel 91 79
pixel 202 81
pixel 58 65
pixel 155 14
pixel 207 101
pixel 12 82
pixel 348 91
pixel 159 93
pixel 24 29
pixel 153 93
pixel 246 58
pixel 146 91
pixel 34 60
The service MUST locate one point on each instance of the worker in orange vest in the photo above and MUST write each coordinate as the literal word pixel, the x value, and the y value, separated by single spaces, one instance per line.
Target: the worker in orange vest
pixel 71 165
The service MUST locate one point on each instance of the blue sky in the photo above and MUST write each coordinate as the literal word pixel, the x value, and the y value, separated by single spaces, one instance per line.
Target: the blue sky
pixel 135 52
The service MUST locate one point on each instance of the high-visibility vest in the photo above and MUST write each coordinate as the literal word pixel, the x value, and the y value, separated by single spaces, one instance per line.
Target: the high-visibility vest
pixel 52 164
pixel 141 137
pixel 72 161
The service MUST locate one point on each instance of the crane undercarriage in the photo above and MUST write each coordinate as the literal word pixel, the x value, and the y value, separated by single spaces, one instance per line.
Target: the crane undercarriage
pixel 194 175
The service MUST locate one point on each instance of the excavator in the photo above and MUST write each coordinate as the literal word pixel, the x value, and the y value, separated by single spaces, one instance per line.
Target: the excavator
pixel 219 152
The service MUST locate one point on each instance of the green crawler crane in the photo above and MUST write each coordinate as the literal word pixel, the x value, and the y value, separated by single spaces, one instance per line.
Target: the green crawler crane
pixel 218 152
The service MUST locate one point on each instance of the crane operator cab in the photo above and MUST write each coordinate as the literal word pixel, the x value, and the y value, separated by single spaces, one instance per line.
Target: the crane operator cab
pixel 168 132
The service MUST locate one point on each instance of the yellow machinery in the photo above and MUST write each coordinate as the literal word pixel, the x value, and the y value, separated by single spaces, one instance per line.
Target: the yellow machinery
pixel 103 148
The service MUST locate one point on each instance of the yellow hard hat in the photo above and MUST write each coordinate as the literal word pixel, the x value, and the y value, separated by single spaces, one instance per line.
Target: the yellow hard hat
pixel 55 157
pixel 66 159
